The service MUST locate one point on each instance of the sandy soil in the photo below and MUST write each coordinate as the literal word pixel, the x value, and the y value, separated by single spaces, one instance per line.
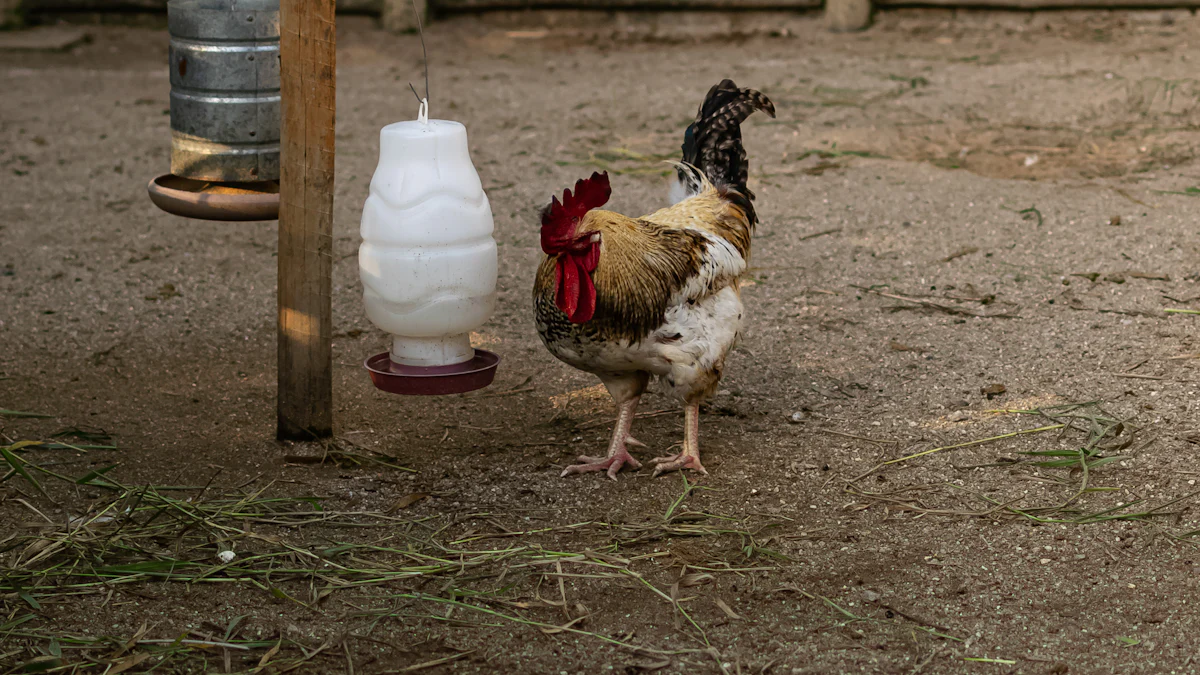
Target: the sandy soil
pixel 949 202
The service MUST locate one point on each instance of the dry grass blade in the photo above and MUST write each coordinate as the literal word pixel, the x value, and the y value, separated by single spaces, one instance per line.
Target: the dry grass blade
pixel 146 534
pixel 968 250
pixel 724 607
pixel 1103 433
pixel 822 233
pixel 956 446
pixel 266 658
pixel 850 617
pixel 554 630
pixel 432 664
pixel 876 441
pixel 127 663
pixel 346 454
pixel 537 624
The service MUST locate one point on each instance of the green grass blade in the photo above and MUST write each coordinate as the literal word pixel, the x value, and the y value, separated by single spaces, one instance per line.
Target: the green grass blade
pixel 18 465
pixel 90 477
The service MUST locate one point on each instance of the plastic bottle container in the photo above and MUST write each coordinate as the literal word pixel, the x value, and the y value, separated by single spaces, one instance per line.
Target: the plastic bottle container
pixel 428 259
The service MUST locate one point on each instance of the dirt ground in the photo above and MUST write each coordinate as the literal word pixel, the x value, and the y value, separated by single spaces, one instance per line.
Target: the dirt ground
pixel 949 202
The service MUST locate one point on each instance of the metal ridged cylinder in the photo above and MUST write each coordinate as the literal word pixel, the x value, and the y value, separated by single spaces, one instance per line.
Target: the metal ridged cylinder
pixel 225 109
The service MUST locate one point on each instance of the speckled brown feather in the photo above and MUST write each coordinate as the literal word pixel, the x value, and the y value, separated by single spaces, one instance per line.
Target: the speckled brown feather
pixel 713 143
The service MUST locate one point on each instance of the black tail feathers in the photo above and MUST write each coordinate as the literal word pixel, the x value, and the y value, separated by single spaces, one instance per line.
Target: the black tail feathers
pixel 713 143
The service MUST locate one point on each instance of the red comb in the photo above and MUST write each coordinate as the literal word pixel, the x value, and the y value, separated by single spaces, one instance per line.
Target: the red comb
pixel 560 219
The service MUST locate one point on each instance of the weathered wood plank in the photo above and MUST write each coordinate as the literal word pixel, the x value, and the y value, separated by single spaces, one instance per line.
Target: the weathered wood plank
pixel 93 5
pixel 479 5
pixel 349 6
pixel 1043 4
pixel 378 6
pixel 307 77
pixel 847 15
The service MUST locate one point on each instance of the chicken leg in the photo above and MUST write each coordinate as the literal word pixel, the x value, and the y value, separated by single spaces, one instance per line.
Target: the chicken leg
pixel 626 392
pixel 689 455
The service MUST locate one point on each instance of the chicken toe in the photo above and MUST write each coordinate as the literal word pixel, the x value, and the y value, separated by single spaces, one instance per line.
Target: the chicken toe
pixel 611 465
pixel 618 456
pixel 689 455
pixel 677 463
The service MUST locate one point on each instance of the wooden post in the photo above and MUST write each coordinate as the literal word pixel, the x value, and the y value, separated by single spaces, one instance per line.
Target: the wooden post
pixel 847 15
pixel 307 79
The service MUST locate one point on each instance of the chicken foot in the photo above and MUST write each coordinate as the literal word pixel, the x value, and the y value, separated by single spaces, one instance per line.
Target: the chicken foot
pixel 618 455
pixel 689 455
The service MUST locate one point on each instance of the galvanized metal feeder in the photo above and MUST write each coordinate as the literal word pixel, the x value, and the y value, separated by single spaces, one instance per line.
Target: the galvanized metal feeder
pixel 225 111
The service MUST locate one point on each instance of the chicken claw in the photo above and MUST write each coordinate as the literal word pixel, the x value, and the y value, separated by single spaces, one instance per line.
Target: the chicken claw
pixel 677 463
pixel 618 456
pixel 689 456
pixel 611 464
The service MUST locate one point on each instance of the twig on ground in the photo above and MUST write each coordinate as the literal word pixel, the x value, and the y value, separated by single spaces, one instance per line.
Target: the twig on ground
pixel 948 309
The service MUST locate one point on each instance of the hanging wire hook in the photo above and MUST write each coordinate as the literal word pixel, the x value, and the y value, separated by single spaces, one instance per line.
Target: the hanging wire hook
pixel 424 52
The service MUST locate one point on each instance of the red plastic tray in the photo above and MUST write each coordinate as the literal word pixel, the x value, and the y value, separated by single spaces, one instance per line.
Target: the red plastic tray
pixel 459 378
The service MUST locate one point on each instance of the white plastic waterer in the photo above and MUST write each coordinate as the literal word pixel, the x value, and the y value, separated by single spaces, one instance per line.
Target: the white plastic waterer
pixel 428 260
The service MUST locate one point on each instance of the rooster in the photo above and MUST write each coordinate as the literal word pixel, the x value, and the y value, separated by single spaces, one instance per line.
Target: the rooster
pixel 631 298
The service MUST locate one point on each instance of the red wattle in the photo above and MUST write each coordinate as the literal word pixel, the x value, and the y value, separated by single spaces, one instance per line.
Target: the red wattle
pixel 587 300
pixel 566 296
pixel 575 293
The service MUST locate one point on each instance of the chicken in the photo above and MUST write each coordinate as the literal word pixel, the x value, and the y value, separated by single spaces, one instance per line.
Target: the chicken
pixel 628 299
